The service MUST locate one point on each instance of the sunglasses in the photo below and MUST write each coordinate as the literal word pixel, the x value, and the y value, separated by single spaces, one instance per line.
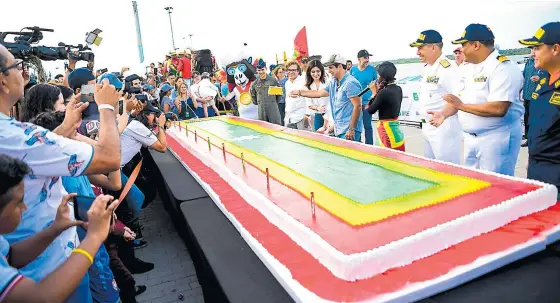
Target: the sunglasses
pixel 18 65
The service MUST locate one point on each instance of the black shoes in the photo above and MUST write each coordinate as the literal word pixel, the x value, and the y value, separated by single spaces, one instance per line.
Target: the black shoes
pixel 140 289
pixel 140 267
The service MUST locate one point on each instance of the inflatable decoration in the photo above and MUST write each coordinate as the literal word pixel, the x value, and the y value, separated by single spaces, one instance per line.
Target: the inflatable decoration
pixel 240 76
pixel 340 221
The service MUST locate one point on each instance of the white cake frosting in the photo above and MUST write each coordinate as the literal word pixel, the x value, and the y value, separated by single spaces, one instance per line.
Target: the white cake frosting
pixel 397 253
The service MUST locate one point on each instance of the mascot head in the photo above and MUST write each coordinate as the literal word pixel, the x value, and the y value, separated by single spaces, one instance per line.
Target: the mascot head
pixel 241 73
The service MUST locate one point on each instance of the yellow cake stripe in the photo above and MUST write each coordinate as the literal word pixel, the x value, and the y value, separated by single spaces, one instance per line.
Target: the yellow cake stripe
pixel 447 186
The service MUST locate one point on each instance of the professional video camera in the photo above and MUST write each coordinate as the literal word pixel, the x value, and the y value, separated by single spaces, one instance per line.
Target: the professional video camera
pixel 24 46
pixel 128 88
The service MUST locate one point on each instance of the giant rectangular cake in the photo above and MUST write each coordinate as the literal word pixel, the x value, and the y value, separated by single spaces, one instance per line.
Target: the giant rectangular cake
pixel 355 211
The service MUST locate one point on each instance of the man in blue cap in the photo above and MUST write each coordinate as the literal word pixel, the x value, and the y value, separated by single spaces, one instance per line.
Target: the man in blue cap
pixel 365 74
pixel 488 104
pixel 439 77
pixel 268 103
pixel 544 113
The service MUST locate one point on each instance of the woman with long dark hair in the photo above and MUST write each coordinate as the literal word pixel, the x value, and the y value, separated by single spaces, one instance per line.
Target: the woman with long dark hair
pixel 315 80
pixel 41 98
pixel 387 98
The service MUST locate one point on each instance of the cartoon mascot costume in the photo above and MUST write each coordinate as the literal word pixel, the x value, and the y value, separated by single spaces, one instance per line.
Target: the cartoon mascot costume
pixel 240 77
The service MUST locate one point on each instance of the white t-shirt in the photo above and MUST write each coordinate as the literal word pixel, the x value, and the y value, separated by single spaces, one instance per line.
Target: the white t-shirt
pixel 135 136
pixel 205 88
pixel 50 157
pixel 492 80
pixel 295 107
pixel 315 101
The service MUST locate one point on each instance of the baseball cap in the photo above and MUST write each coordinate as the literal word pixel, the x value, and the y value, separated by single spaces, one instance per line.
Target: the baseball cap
pixel 80 76
pixel 149 108
pixel 335 59
pixel 363 53
pixel 547 34
pixel 475 32
pixel 113 80
pixel 166 87
pixel 147 87
pixel 427 37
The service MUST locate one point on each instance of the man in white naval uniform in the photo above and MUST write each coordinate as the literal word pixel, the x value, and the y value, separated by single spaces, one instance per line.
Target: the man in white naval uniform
pixel 489 107
pixel 439 77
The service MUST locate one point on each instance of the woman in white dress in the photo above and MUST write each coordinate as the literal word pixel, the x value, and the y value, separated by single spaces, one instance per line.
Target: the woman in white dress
pixel 315 79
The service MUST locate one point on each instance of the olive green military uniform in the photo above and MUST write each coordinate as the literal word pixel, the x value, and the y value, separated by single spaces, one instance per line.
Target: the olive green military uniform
pixel 268 104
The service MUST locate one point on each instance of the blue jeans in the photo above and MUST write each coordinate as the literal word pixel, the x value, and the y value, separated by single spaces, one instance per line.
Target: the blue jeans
pixel 357 136
pixel 134 199
pixel 368 129
pixel 318 122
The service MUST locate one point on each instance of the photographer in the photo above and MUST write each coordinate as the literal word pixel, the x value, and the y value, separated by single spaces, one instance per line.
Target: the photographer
pixel 50 156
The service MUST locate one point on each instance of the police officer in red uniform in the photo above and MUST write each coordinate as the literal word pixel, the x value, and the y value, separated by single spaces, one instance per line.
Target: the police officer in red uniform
pixel 544 112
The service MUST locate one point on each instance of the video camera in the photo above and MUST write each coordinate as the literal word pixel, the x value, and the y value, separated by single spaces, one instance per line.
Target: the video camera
pixel 24 46
pixel 128 88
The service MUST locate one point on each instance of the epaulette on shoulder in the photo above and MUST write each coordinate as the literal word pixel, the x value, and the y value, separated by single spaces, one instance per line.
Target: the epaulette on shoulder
pixel 444 63
pixel 543 81
pixel 503 59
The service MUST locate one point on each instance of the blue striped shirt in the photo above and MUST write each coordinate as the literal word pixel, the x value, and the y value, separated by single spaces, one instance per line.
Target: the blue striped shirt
pixel 528 72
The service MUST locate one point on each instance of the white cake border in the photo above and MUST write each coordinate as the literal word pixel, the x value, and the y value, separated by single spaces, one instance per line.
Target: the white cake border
pixel 397 253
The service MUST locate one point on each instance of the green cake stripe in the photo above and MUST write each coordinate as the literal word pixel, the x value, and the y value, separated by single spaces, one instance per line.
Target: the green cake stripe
pixel 362 182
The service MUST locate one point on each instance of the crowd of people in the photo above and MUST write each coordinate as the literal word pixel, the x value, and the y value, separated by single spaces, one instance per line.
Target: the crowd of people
pixel 85 133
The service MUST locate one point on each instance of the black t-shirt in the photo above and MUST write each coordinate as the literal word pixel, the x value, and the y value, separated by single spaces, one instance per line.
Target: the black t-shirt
pixel 387 102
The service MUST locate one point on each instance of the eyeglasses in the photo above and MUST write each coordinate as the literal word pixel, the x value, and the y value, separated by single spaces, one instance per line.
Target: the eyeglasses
pixel 18 65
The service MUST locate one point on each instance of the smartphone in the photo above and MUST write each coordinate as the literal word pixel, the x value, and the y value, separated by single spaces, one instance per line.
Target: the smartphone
pixel 81 206
pixel 87 91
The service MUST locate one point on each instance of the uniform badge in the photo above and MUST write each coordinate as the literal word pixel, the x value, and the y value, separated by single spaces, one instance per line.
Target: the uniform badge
pixel 445 63
pixel 503 59
pixel 432 79
pixel 555 98
pixel 480 79
pixel 538 87
pixel 534 96
pixel 557 84
pixel 543 81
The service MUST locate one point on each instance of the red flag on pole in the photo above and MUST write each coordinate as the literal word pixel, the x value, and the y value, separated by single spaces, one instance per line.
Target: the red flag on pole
pixel 300 44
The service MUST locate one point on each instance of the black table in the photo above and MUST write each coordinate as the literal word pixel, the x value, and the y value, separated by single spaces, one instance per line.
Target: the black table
pixel 229 271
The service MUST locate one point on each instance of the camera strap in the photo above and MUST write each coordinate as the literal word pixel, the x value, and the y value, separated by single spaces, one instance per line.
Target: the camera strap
pixel 130 181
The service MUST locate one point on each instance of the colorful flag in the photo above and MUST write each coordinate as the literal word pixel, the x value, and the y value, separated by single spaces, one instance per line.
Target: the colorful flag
pixel 300 44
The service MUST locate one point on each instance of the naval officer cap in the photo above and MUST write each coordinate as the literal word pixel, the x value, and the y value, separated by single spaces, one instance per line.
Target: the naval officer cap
pixel 548 34
pixel 427 37
pixel 475 32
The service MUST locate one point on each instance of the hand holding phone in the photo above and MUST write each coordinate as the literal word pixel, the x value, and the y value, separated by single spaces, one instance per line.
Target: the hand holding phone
pixel 100 216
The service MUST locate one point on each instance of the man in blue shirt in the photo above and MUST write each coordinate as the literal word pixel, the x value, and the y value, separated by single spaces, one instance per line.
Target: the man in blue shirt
pixel 531 77
pixel 365 74
pixel 343 93
pixel 544 118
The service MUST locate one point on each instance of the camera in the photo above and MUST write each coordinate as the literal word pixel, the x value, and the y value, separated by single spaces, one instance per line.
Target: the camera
pixel 24 46
pixel 128 88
